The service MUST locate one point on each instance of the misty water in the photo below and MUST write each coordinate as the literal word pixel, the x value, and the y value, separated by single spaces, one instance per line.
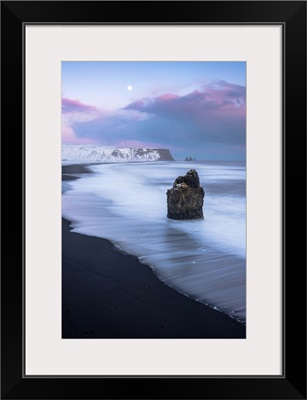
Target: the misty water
pixel 204 259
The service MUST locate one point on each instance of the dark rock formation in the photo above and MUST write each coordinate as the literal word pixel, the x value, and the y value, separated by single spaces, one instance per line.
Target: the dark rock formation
pixel 165 155
pixel 186 198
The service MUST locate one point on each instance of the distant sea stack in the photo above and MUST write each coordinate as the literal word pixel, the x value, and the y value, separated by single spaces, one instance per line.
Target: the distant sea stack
pixel 96 153
pixel 186 198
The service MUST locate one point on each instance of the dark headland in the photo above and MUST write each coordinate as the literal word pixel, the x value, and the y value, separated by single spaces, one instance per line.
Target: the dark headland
pixel 109 294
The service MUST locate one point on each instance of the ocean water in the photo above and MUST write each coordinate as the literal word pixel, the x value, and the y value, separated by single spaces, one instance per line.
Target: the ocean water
pixel 204 259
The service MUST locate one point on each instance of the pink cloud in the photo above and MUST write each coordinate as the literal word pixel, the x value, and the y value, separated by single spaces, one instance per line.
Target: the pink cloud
pixel 69 106
pixel 167 96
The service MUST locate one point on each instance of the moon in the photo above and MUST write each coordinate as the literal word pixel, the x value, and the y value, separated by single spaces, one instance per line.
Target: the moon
pixel 129 87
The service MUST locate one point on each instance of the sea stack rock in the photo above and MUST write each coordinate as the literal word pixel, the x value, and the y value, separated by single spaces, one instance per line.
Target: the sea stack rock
pixel 186 198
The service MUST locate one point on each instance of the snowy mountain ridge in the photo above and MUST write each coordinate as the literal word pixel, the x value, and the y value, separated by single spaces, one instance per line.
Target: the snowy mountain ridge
pixel 98 153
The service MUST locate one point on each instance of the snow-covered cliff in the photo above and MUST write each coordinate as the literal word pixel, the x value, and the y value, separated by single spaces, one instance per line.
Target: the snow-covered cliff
pixel 102 154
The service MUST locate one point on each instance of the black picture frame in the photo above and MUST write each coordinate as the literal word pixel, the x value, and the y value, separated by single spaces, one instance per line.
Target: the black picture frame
pixel 292 16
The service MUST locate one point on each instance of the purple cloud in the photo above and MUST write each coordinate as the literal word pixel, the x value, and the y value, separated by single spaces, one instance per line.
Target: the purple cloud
pixel 205 122
pixel 220 97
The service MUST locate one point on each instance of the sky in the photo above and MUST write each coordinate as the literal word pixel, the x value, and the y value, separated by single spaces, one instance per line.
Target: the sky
pixel 194 109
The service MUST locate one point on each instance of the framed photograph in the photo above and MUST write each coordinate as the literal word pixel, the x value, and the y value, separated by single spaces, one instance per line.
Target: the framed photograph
pixel 159 150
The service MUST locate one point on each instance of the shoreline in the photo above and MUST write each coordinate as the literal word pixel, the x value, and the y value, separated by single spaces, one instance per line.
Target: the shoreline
pixel 110 294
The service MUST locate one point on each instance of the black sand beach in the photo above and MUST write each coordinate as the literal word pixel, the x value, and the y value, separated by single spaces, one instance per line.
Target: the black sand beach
pixel 110 294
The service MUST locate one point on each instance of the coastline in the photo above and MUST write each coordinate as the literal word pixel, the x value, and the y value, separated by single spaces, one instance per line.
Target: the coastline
pixel 109 294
